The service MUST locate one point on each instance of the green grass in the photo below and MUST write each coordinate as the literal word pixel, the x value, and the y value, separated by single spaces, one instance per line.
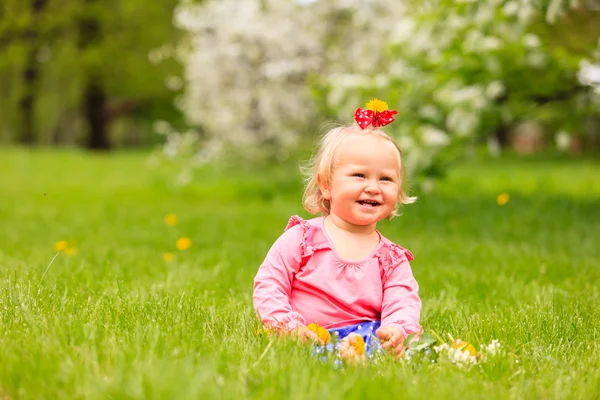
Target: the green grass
pixel 115 321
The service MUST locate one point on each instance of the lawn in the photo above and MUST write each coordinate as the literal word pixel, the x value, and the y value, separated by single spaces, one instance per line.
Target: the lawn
pixel 115 320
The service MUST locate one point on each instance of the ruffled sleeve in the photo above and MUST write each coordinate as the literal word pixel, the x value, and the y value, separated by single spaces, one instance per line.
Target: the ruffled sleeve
pixel 273 282
pixel 401 306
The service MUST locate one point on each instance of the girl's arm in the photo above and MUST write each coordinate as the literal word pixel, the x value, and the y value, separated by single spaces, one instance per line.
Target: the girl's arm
pixel 401 307
pixel 273 283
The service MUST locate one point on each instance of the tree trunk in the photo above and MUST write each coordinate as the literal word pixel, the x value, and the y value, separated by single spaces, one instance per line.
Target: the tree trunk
pixel 31 77
pixel 94 102
pixel 502 135
pixel 94 96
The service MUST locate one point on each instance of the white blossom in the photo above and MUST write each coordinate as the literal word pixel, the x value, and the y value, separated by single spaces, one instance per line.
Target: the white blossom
pixel 531 41
pixel 174 83
pixel 433 137
pixel 247 64
pixel 494 90
pixel 461 122
pixel 562 140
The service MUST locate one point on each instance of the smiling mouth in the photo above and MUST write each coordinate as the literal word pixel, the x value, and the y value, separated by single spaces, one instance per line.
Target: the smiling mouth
pixel 370 203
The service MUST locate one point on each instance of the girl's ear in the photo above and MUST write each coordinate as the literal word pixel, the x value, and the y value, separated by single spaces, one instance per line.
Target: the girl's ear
pixel 324 187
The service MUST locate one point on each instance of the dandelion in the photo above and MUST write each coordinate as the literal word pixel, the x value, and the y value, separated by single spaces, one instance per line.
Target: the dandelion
pixel 377 105
pixel 321 332
pixel 61 245
pixel 171 219
pixel 359 346
pixel 70 251
pixel 502 199
pixel 65 247
pixel 183 243
pixel 464 347
pixel 168 257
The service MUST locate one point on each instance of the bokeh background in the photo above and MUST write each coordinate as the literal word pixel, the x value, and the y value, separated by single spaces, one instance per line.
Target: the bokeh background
pixel 254 81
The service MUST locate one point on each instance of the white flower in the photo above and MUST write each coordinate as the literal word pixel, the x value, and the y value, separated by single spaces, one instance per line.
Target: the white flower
pixel 531 41
pixel 462 123
pixel 589 74
pixel 406 143
pixel 154 56
pixel 174 83
pixel 433 137
pixel 427 187
pixel 429 111
pixel 162 127
pixel 536 60
pixel 562 140
pixel 491 43
pixel 493 146
pixel 511 8
pixel 494 90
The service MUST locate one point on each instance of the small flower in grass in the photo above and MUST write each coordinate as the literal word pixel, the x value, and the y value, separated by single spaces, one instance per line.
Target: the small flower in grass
pixel 502 199
pixel 61 245
pixel 65 247
pixel 171 219
pixel 70 251
pixel 168 257
pixel 183 243
pixel 464 346
pixel 321 332
pixel 431 347
pixel 359 346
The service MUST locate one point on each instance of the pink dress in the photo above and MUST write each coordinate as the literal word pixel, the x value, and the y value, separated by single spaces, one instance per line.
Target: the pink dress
pixel 302 280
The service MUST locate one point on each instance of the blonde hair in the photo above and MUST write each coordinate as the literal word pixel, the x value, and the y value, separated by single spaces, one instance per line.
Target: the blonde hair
pixel 322 165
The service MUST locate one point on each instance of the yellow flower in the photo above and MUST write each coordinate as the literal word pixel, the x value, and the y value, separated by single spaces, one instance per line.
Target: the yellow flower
pixel 171 219
pixel 359 346
pixel 464 346
pixel 61 245
pixel 323 333
pixel 70 251
pixel 263 331
pixel 168 257
pixel 183 243
pixel 502 199
pixel 377 105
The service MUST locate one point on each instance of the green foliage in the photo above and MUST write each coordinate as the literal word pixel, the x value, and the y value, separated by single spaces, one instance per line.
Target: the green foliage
pixel 115 320
pixel 116 54
pixel 461 73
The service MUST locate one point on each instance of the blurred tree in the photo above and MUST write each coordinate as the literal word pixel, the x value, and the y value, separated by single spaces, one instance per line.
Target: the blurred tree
pixel 31 74
pixel 459 72
pixel 462 72
pixel 88 61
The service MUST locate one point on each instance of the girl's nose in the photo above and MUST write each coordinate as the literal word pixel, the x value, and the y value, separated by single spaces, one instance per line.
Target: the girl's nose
pixel 372 187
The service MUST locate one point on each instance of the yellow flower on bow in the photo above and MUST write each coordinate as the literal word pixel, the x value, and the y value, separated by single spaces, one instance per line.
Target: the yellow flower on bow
pixel 377 105
pixel 183 243
pixel 171 219
pixel 502 199
pixel 321 332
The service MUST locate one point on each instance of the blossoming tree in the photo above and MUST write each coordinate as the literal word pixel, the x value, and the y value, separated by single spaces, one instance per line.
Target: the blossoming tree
pixel 260 75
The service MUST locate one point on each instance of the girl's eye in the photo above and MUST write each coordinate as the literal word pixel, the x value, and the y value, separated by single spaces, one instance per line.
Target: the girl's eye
pixel 386 178
pixel 358 175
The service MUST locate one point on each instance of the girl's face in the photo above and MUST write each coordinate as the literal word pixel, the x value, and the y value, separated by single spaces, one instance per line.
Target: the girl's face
pixel 364 184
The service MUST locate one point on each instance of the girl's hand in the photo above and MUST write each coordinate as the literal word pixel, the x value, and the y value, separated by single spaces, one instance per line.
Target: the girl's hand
pixel 303 334
pixel 392 339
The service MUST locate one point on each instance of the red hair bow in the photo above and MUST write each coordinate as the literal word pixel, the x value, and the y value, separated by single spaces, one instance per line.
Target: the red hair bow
pixel 376 114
